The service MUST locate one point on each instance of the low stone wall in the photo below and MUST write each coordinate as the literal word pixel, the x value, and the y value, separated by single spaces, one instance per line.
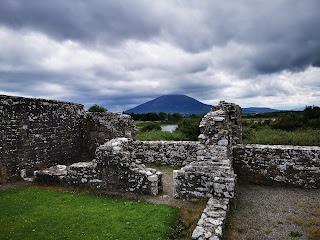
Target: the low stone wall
pixel 120 172
pixel 83 174
pixel 278 165
pixel 176 153
pixel 205 178
pixel 211 223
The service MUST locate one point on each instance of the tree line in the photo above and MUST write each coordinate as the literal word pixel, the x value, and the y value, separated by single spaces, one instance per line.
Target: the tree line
pixel 161 116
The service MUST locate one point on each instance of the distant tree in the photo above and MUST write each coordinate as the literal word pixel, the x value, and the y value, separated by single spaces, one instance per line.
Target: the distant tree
pixel 153 116
pixel 189 127
pixel 175 117
pixel 162 116
pixel 97 108
pixel 151 126
pixel 289 122
pixel 311 112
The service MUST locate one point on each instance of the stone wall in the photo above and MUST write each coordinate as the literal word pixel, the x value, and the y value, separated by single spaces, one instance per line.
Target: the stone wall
pixel 37 133
pixel 278 165
pixel 176 153
pixel 222 125
pixel 120 172
pixel 212 174
pixel 102 127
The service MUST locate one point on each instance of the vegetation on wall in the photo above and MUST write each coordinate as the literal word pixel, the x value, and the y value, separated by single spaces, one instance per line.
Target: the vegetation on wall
pixel 97 108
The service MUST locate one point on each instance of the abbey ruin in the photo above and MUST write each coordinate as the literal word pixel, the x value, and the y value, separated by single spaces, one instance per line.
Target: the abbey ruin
pixel 59 142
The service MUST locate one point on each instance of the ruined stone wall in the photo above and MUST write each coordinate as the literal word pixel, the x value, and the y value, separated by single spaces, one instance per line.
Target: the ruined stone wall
pixel 36 133
pixel 222 125
pixel 102 127
pixel 278 165
pixel 176 153
pixel 120 172
pixel 212 175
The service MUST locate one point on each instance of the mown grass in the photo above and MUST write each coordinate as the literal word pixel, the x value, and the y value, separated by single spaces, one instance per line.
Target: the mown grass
pixel 302 137
pixel 45 214
pixel 161 136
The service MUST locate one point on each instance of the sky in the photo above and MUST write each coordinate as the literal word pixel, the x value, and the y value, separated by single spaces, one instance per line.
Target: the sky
pixel 119 54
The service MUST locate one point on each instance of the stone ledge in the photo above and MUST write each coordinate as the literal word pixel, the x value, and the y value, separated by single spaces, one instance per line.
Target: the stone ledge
pixel 212 221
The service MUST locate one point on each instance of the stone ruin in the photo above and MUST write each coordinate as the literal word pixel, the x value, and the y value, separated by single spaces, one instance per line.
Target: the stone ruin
pixel 48 138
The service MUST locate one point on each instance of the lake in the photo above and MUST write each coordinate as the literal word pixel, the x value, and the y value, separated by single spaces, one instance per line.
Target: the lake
pixel 169 128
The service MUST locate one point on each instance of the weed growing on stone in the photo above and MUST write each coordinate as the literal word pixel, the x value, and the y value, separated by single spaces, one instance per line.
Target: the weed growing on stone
pixel 309 221
pixel 294 234
pixel 46 214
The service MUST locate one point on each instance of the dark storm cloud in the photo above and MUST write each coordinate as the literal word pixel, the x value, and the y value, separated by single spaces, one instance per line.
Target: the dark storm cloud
pixel 120 53
pixel 80 20
pixel 285 32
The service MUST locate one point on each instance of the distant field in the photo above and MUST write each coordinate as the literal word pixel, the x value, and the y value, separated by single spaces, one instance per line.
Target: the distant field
pixel 283 128
pixel 302 137
pixel 46 214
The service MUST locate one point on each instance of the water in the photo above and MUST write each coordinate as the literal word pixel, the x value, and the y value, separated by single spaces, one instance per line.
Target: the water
pixel 169 128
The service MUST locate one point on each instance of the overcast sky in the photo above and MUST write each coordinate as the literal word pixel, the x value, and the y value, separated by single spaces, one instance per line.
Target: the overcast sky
pixel 120 54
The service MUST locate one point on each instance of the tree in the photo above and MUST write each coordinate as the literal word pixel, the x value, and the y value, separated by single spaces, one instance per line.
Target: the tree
pixel 97 108
pixel 151 126
pixel 189 127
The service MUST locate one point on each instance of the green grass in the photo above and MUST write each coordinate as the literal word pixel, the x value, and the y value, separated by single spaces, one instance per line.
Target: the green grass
pixel 160 135
pixel 303 137
pixel 46 214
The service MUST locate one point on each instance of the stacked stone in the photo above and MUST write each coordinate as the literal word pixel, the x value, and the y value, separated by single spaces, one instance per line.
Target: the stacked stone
pixel 212 221
pixel 233 121
pixel 213 128
pixel 211 175
pixel 102 127
pixel 120 172
pixel 55 174
pixel 175 153
pixel 297 166
pixel 38 133
pixel 83 174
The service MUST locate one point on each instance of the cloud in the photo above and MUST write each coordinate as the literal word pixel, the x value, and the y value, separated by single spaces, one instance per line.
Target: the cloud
pixel 121 54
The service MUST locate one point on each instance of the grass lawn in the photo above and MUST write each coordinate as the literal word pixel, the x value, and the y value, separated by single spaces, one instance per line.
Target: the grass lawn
pixel 31 213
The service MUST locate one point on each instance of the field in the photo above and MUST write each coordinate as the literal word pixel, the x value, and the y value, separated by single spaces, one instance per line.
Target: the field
pixel 32 213
pixel 283 128
pixel 301 137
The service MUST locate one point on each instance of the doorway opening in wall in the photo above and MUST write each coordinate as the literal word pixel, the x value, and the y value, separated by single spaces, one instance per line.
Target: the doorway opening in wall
pixel 167 178
pixel 190 212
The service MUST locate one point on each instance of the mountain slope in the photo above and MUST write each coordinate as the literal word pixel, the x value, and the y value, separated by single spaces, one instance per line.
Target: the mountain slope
pixel 185 105
pixel 172 104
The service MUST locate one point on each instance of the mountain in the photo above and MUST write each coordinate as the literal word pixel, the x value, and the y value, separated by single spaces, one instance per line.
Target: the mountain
pixel 251 110
pixel 182 104
pixel 185 105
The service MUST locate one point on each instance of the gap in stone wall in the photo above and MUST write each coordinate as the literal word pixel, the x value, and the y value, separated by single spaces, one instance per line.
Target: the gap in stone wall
pixel 167 177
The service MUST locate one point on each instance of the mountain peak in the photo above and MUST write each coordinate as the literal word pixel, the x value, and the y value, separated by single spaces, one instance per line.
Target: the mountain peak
pixel 176 103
